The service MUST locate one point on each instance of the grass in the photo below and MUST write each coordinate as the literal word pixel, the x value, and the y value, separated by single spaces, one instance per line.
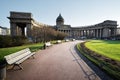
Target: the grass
pixel 108 68
pixel 108 48
pixel 10 50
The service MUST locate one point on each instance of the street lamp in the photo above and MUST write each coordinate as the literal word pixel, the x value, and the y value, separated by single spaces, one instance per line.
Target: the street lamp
pixel 44 37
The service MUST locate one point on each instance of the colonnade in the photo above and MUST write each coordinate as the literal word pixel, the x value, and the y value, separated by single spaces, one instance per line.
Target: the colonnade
pixel 98 33
pixel 105 29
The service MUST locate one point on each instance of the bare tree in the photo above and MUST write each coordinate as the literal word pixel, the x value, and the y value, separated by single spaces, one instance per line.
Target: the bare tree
pixel 45 33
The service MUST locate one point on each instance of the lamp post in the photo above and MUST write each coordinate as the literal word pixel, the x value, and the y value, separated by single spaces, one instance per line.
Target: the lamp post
pixel 44 36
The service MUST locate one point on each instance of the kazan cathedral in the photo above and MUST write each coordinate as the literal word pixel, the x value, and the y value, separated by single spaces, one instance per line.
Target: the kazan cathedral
pixel 22 23
pixel 102 30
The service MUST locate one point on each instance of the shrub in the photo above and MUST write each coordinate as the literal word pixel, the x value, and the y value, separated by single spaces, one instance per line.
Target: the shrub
pixel 18 40
pixel 60 35
pixel 5 41
pixel 9 41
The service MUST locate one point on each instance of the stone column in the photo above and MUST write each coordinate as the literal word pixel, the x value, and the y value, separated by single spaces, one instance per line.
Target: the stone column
pixel 80 33
pixel 29 30
pixel 110 32
pixel 97 34
pixel 115 31
pixel 69 33
pixel 86 33
pixel 19 31
pixel 13 29
pixel 100 33
pixel 93 33
pixel 90 33
pixel 105 32
pixel 83 33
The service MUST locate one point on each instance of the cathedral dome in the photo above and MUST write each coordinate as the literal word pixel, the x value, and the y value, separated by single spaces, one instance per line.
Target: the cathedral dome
pixel 60 20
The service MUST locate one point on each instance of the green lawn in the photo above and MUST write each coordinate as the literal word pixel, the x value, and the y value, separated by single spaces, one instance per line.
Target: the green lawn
pixel 6 51
pixel 107 48
pixel 112 70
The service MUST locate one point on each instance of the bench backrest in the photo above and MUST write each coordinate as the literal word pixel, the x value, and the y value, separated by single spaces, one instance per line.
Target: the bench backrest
pixel 12 58
pixel 48 44
pixel 66 40
pixel 59 41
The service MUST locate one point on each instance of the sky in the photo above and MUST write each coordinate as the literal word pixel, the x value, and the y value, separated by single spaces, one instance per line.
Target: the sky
pixel 75 12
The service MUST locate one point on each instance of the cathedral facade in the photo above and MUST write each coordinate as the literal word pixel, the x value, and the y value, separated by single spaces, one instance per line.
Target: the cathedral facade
pixel 22 24
pixel 102 30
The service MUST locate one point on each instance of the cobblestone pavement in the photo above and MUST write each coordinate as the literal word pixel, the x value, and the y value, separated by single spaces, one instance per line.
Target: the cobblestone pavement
pixel 58 62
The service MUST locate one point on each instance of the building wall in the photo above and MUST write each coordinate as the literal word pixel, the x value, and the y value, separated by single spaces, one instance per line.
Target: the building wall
pixel 4 31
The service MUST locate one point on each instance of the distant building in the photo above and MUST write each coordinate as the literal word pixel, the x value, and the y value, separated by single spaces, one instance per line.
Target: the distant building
pixel 4 31
pixel 102 30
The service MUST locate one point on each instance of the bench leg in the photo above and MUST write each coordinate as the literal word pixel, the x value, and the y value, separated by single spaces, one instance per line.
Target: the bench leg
pixel 33 56
pixel 13 66
pixel 20 67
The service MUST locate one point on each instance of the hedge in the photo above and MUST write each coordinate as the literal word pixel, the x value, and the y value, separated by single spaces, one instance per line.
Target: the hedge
pixel 9 41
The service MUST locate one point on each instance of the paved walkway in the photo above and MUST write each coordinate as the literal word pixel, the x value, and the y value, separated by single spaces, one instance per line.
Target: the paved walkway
pixel 58 62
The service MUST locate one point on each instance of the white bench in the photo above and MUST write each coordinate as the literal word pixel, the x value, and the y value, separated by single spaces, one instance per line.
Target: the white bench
pixel 17 58
pixel 66 40
pixel 73 39
pixel 47 44
pixel 59 41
